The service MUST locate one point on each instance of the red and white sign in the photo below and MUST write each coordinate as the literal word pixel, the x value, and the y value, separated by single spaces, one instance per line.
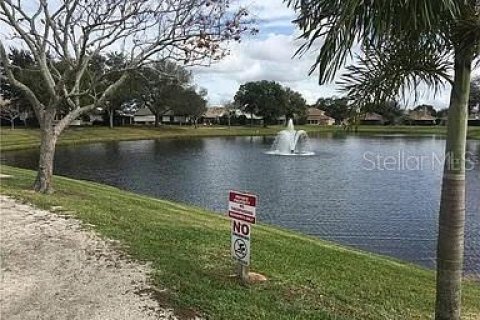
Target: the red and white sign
pixel 241 206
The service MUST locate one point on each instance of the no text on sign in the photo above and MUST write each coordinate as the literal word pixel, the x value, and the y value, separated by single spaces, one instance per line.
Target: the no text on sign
pixel 241 206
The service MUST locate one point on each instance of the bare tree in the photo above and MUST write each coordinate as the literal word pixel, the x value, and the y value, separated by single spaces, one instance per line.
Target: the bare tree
pixel 9 112
pixel 70 32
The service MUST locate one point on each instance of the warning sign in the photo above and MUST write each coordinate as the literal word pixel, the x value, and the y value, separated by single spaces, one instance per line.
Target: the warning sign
pixel 241 206
pixel 240 246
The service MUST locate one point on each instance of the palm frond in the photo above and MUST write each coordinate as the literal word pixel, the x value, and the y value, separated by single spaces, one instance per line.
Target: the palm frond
pixel 336 25
pixel 395 69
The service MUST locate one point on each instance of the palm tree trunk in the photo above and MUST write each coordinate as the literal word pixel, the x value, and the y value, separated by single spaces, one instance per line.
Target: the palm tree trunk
pixel 450 244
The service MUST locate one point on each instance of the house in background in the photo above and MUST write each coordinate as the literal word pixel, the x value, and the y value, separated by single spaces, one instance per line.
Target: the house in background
pixel 167 117
pixel 181 119
pixel 282 120
pixel 144 116
pixel 244 118
pixel 372 118
pixel 474 119
pixel 214 115
pixel 421 118
pixel 318 117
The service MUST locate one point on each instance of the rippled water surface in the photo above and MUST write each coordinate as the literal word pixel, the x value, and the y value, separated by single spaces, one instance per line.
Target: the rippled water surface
pixel 378 193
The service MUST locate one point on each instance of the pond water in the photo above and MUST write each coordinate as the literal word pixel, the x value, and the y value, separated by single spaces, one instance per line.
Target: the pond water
pixel 377 193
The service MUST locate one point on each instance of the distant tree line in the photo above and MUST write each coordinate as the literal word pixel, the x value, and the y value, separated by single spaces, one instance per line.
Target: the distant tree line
pixel 270 100
pixel 160 86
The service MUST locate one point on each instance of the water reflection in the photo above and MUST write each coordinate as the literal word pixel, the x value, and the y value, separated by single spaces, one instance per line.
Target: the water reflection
pixel 332 195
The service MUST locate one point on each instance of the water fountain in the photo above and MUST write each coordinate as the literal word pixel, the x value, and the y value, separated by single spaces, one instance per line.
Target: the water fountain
pixel 291 142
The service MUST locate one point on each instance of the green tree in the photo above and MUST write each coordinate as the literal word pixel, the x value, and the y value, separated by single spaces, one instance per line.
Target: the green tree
pixel 296 105
pixel 191 103
pixel 406 42
pixel 426 107
pixel 337 108
pixel 27 71
pixel 264 98
pixel 102 72
pixel 161 84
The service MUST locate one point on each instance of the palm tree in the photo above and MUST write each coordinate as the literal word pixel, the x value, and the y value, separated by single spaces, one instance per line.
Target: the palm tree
pixel 404 43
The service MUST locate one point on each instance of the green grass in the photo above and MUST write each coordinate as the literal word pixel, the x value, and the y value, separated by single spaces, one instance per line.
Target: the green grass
pixel 189 251
pixel 29 138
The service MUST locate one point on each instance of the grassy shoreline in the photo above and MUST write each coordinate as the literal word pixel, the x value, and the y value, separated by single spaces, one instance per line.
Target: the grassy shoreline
pixel 18 139
pixel 189 251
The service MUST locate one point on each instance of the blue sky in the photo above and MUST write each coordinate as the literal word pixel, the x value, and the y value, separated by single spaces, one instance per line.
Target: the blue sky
pixel 269 56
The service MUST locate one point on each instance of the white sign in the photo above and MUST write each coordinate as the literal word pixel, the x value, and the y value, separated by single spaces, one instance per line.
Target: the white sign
pixel 240 246
pixel 241 206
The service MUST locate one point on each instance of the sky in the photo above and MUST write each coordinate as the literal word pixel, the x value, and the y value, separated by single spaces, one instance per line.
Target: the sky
pixel 269 56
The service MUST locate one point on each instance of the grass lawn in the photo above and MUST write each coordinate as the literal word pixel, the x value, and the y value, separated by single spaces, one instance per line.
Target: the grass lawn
pixel 29 138
pixel 189 251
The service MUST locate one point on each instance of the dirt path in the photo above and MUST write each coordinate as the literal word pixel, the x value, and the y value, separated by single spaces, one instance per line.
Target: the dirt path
pixel 51 268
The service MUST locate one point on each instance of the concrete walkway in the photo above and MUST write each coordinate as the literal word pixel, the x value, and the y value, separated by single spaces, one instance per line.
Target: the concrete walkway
pixel 52 268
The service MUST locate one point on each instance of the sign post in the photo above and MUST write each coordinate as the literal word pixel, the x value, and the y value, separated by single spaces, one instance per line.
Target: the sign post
pixel 241 208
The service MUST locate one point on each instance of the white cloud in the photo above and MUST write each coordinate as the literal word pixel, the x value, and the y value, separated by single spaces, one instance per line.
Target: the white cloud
pixel 271 11
pixel 269 56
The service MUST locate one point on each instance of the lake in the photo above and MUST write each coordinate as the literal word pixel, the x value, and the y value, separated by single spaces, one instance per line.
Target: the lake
pixel 377 193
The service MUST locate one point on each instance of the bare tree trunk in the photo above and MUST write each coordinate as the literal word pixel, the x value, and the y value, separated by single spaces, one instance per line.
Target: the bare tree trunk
pixel 452 206
pixel 12 124
pixel 157 119
pixel 43 182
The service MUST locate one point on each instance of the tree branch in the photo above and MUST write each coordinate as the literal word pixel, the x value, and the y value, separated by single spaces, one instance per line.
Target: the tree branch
pixel 38 107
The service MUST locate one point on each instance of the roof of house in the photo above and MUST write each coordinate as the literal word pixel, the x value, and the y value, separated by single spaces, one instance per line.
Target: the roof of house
pixel 420 115
pixel 315 112
pixel 372 116
pixel 144 112
pixel 215 112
